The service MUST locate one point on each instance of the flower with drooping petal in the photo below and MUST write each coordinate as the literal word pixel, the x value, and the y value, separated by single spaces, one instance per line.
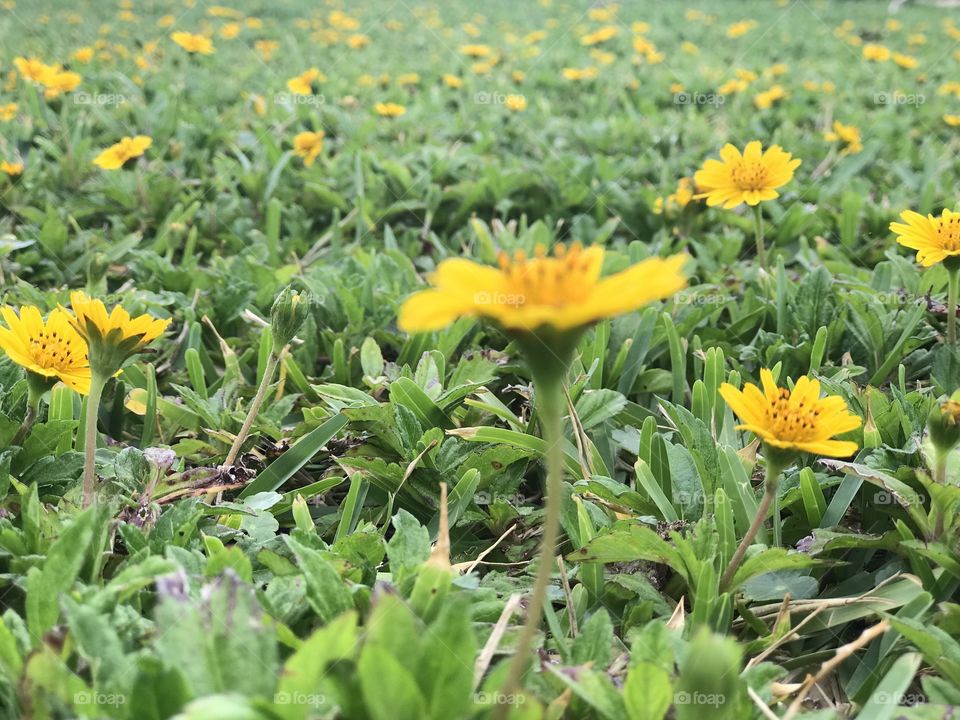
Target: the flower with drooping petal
pixel 793 420
pixel 749 178
pixel 563 292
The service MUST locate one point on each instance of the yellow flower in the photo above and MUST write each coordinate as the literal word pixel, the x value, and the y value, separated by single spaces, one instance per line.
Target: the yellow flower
pixel 563 292
pixel 576 74
pixel 193 43
pixel 934 239
pixel 894 25
pixel 33 69
pixel 408 79
pixel 765 100
pixel 304 83
pixel 689 48
pixel 115 156
pixel 266 49
pixel 798 420
pixel 876 53
pixel 905 61
pixel 114 336
pixel 515 103
pixel 600 36
pixel 83 55
pixel 750 178
pixel 518 76
pixel 951 87
pixel 452 81
pixel 917 39
pixel 952 120
pixel 8 112
pixel 640 27
pixel 678 199
pixel 307 145
pixel 166 21
pixel 847 134
pixel 358 41
pixel 476 51
pixel 60 82
pixel 51 349
pixel 341 21
pixel 11 168
pixel 732 86
pixel 741 28
pixel 231 30
pixel 389 109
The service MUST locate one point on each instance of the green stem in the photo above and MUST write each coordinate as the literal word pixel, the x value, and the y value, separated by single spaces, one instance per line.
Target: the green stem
pixel 550 406
pixel 769 495
pixel 952 289
pixel 761 248
pixel 97 383
pixel 777 522
pixel 254 410
pixel 36 386
pixel 941 478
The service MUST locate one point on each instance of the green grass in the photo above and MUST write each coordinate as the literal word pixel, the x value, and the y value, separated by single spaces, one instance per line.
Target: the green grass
pixel 294 586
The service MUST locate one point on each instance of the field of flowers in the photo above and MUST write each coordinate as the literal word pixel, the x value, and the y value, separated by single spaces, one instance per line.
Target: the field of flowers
pixel 542 359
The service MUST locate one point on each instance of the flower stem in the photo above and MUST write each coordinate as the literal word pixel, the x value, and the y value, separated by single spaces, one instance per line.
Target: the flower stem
pixel 35 390
pixel 952 289
pixel 254 410
pixel 940 476
pixel 550 406
pixel 97 383
pixel 761 248
pixel 769 494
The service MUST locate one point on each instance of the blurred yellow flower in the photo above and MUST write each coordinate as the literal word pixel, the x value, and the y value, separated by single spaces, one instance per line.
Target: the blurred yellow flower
pixel 678 199
pixel 952 120
pixel 408 79
pixel 83 55
pixel 115 156
pixel 515 103
pixel 578 74
pixel 389 109
pixel 765 100
pixel 849 135
pixel 193 44
pixel 476 51
pixel 8 112
pixel 358 41
pixel 739 29
pixel 600 36
pixel 305 82
pixel 231 31
pixel 876 53
pixel 308 145
pixel 452 81
pixel 689 48
pixel 905 61
pixel 11 168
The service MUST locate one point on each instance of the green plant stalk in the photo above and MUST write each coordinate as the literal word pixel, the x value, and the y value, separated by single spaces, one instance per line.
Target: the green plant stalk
pixel 550 406
pixel 97 384
pixel 941 478
pixel 268 372
pixel 761 248
pixel 769 495
pixel 36 386
pixel 952 290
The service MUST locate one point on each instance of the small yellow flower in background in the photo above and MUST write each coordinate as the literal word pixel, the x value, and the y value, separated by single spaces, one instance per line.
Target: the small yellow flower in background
pixel 231 31
pixel 847 134
pixel 8 112
pixel 934 238
pixel 341 21
pixel 83 55
pixel 798 420
pixel 115 156
pixel 305 82
pixel 731 87
pixel 308 145
pixel 12 169
pixel 52 349
pixel 765 100
pixel 811 85
pixel 893 25
pixel 452 81
pixel 219 11
pixel 854 40
pixel 406 79
pixel 689 48
pixel 740 29
pixel 166 21
pixel 476 50
pixel 602 56
pixel 640 27
pixel 777 70
pixel 482 68
pixel 603 14
pixel 678 199
pixel 518 76
pixel 600 36
pixel 59 82
pixel 193 44
pixel 563 292
pixel 676 88
pixel 876 53
pixel 515 103
pixel 578 74
pixel 952 120
pixel 749 178
pixel 34 69
pixel 358 41
pixel 253 23
pixel 366 80
pixel 828 87
pixel 951 87
pixel 907 62
pixel 266 48
pixel 745 75
pixel 389 109
pixel 917 39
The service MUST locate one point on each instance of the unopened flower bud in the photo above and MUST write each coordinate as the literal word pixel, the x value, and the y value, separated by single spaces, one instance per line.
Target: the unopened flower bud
pixel 290 310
